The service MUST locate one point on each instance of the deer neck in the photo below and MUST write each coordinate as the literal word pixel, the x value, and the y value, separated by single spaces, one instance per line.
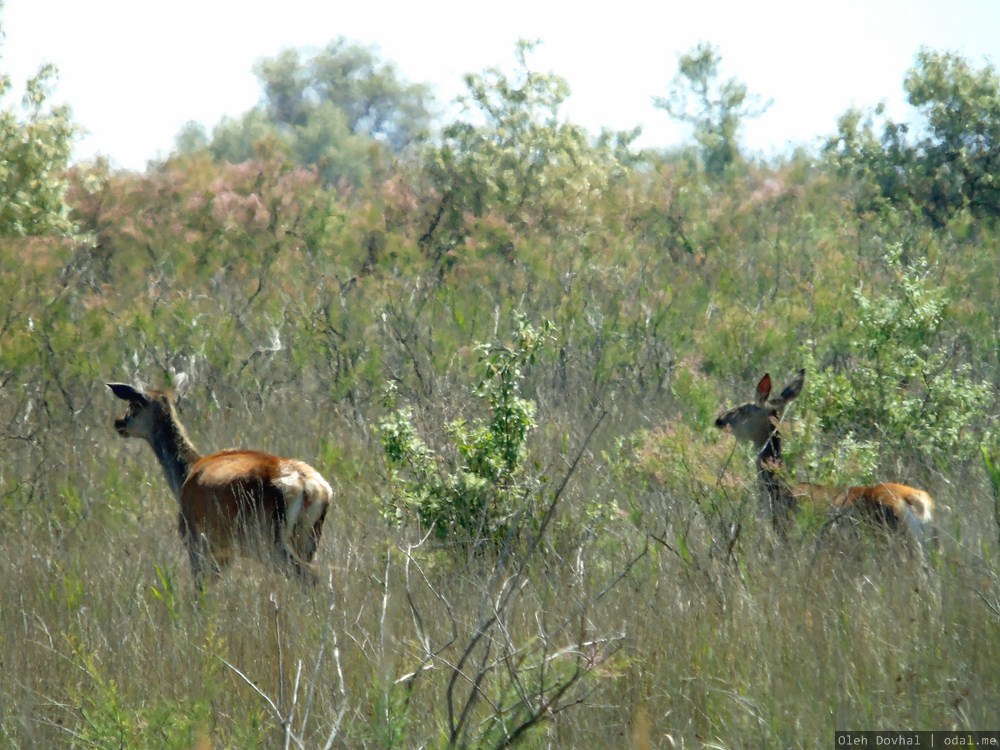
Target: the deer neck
pixel 777 493
pixel 174 450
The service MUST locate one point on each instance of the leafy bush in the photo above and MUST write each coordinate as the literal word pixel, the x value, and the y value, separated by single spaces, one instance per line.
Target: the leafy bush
pixel 35 145
pixel 476 498
pixel 896 386
pixel 515 168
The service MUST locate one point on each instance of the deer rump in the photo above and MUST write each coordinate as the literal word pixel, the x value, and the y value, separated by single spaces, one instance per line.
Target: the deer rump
pixel 247 501
pixel 894 506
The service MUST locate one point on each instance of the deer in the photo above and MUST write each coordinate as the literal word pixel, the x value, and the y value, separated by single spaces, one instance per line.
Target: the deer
pixel 233 501
pixel 888 505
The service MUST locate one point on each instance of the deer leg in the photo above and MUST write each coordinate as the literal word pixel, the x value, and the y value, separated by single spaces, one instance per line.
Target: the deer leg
pixel 206 562
pixel 291 564
pixel 306 538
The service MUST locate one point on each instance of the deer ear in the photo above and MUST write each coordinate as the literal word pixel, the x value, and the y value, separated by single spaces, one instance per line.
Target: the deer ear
pixel 763 389
pixel 127 393
pixel 794 388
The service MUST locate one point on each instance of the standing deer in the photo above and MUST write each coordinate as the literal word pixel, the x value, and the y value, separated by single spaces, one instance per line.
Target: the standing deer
pixel 231 501
pixel 893 506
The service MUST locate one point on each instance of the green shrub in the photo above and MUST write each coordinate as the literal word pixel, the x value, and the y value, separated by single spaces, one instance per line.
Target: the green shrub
pixel 896 388
pixel 474 496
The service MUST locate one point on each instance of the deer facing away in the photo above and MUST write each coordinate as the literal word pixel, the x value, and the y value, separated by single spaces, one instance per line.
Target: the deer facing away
pixel 893 506
pixel 233 501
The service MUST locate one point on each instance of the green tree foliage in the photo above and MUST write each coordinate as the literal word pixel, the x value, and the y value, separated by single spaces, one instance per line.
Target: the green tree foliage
pixel 715 109
pixel 336 110
pixel 40 248
pixel 35 144
pixel 374 99
pixel 514 168
pixel 947 164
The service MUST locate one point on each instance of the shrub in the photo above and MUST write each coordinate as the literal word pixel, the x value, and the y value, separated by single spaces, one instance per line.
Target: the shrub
pixel 473 497
pixel 896 385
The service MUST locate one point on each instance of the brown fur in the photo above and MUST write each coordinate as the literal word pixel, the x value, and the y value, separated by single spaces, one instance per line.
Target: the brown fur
pixel 876 501
pixel 233 501
pixel 892 505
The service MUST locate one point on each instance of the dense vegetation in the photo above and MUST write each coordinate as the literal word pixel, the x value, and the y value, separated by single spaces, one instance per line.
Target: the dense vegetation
pixel 504 341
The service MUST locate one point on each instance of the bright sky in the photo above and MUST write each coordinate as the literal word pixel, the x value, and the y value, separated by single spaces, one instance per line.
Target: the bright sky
pixel 134 71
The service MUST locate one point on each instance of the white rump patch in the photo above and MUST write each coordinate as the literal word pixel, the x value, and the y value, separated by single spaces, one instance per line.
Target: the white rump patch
pixel 924 507
pixel 303 488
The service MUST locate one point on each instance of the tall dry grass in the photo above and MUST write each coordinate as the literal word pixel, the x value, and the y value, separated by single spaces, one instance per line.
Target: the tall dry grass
pixel 104 644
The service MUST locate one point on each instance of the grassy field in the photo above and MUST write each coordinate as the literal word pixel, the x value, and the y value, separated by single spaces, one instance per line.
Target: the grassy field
pixel 674 643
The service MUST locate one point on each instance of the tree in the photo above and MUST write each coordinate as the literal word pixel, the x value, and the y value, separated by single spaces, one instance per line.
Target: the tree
pixel 35 143
pixel 41 254
pixel 337 111
pixel 715 110
pixel 515 165
pixel 953 165
pixel 371 95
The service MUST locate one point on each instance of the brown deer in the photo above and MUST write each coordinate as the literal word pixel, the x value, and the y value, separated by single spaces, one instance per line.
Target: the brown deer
pixel 893 506
pixel 232 501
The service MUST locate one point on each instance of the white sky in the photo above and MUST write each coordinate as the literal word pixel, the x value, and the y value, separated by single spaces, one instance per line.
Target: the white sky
pixel 134 71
